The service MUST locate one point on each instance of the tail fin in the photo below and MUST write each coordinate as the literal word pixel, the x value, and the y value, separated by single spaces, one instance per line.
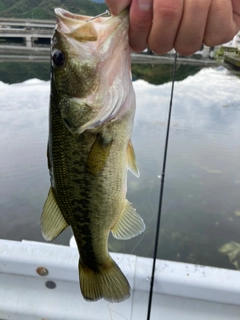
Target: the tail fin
pixel 108 283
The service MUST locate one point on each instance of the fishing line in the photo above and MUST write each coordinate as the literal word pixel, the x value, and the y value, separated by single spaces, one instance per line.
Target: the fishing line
pixel 105 13
pixel 111 311
pixel 161 191
pixel 147 224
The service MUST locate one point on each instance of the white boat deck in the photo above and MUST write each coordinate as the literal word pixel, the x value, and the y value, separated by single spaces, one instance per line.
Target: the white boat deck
pixel 181 291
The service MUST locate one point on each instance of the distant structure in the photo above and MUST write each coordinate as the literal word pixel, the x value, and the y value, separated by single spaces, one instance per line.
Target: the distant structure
pixel 236 41
pixel 24 34
pixel 22 39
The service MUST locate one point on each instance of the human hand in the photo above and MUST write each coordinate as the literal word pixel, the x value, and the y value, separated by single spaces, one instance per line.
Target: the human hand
pixel 183 25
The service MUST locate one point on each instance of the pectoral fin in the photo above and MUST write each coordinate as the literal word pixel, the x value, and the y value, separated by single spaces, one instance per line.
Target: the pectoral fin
pixel 129 225
pixel 132 163
pixel 98 155
pixel 52 220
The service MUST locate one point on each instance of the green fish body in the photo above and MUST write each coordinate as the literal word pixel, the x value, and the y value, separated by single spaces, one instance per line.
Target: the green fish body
pixel 92 108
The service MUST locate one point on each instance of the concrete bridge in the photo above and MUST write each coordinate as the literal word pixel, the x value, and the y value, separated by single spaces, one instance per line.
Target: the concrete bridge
pixel 31 23
pixel 25 33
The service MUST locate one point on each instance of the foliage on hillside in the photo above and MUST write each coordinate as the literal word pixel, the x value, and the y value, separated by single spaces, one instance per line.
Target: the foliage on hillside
pixel 161 73
pixel 13 72
pixel 44 9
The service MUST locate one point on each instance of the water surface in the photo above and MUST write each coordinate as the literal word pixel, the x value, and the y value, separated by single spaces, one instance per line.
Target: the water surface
pixel 202 183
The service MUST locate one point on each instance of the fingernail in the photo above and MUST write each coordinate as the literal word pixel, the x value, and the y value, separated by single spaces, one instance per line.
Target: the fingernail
pixel 145 4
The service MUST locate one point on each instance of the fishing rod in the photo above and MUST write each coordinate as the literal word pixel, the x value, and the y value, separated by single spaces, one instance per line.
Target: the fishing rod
pixel 161 191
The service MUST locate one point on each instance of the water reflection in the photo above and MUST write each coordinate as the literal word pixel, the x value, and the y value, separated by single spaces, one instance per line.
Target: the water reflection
pixel 203 169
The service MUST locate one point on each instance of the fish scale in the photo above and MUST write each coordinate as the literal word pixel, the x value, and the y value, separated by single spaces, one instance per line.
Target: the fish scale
pixel 64 184
pixel 72 187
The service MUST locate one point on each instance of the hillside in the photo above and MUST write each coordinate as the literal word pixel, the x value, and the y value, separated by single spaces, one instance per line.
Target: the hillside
pixel 44 9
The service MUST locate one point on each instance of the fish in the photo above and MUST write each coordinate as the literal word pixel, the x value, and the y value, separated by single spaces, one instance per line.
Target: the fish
pixel 91 115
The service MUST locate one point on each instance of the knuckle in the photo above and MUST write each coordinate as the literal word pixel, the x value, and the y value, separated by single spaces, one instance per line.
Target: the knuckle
pixel 219 7
pixel 187 50
pixel 117 6
pixel 168 10
pixel 140 27
pixel 216 38
pixel 210 41
pixel 138 47
pixel 159 49
pixel 167 13
pixel 138 43
pixel 199 6
pixel 140 21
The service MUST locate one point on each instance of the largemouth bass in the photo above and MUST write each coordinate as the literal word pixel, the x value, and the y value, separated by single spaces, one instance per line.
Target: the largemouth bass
pixel 92 106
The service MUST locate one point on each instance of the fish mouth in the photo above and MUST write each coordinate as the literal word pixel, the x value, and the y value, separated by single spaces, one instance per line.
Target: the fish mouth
pixel 85 28
pixel 72 17
pixel 101 43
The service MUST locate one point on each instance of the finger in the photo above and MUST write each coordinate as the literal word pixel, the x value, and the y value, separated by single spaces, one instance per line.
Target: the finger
pixel 116 6
pixel 190 35
pixel 220 27
pixel 140 24
pixel 236 19
pixel 167 15
pixel 236 13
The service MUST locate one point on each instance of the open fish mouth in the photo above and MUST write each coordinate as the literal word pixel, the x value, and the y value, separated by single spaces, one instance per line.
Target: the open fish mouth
pixel 96 49
pixel 71 24
pixel 64 14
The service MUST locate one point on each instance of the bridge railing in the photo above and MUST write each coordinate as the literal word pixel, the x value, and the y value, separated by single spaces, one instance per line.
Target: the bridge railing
pixel 7 22
pixel 25 33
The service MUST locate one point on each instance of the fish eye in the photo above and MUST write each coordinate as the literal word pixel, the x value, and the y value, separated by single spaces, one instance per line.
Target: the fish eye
pixel 58 58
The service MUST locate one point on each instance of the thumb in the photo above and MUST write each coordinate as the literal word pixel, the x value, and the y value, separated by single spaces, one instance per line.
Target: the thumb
pixel 116 6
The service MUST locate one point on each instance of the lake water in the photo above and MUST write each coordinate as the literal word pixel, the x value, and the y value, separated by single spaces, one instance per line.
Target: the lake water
pixel 201 201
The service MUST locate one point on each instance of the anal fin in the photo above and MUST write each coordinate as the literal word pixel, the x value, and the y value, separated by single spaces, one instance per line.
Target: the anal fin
pixel 129 225
pixel 52 220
